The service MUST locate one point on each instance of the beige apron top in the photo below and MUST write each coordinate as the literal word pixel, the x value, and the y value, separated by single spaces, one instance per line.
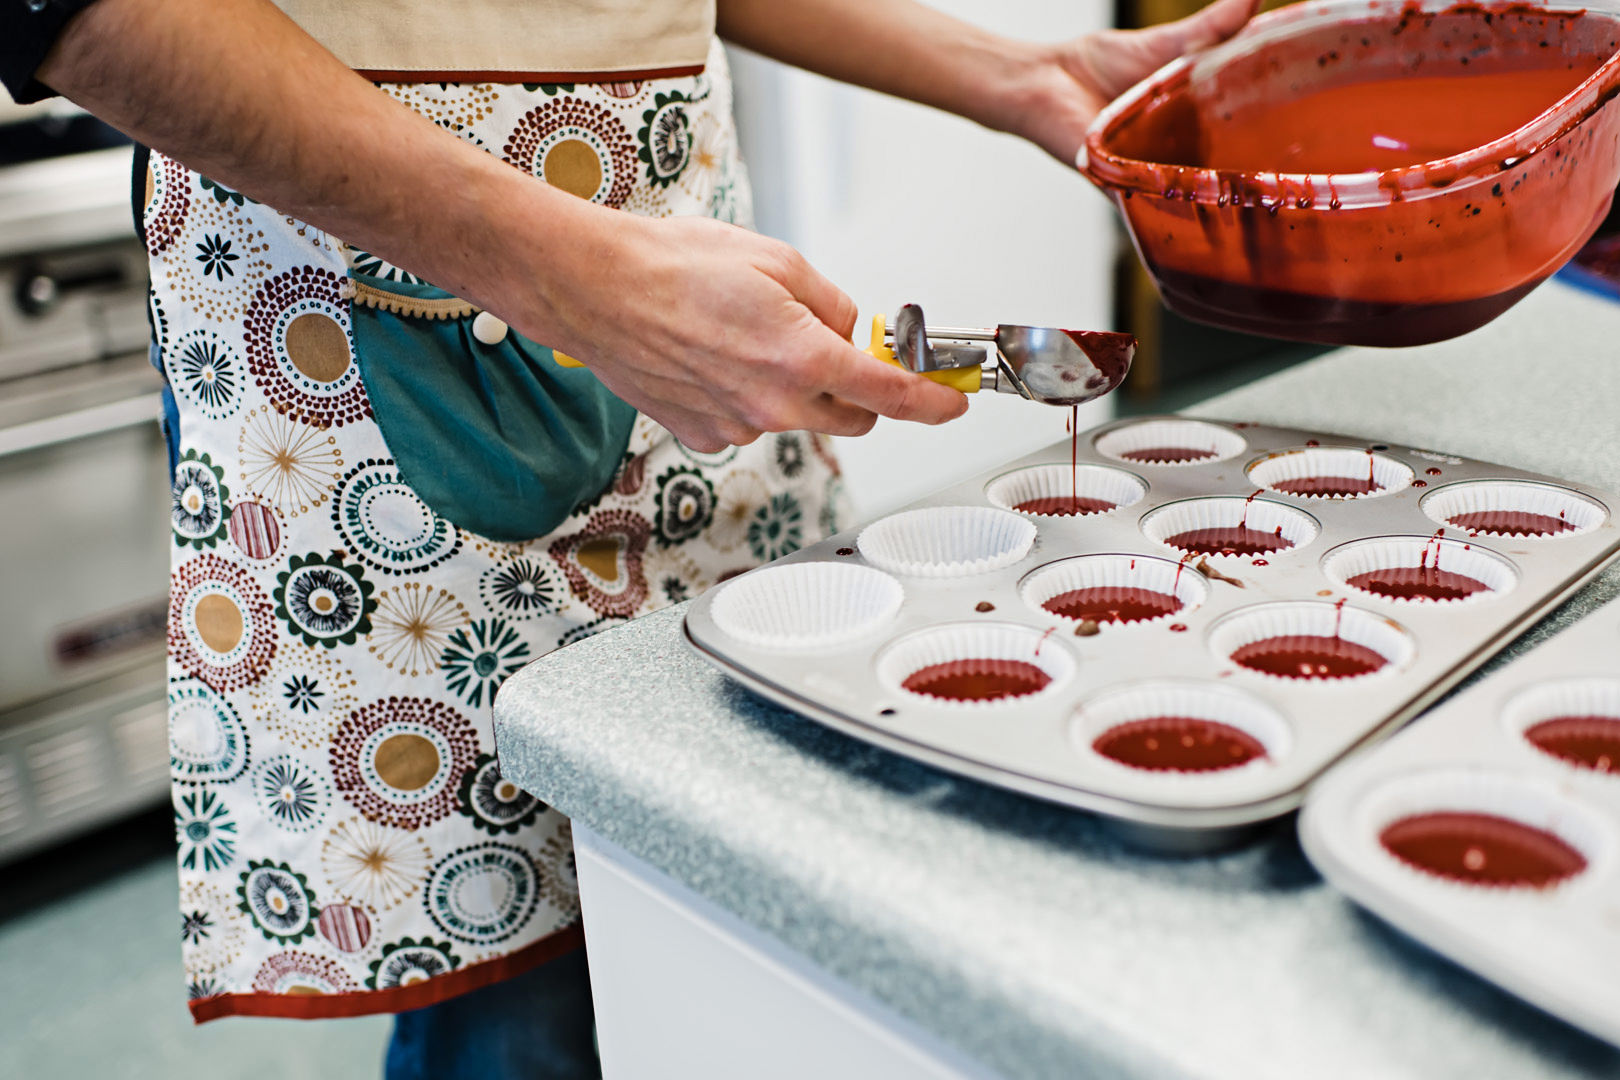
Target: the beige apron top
pixel 511 40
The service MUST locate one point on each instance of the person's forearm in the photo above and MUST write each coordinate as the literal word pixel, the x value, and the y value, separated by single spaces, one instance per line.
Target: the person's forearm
pixel 713 331
pixel 898 47
pixel 235 90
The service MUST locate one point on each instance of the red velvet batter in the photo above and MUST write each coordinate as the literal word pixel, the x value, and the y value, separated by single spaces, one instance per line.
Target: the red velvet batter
pixel 1230 540
pixel 1109 351
pixel 1592 742
pixel 1065 505
pixel 1179 743
pixel 1330 487
pixel 977 679
pixel 1412 582
pixel 1481 849
pixel 1511 523
pixel 1302 656
pixel 1159 455
pixel 1112 603
pixel 1382 124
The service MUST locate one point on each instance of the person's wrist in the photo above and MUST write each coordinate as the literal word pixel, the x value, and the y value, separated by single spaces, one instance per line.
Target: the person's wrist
pixel 1020 84
pixel 545 254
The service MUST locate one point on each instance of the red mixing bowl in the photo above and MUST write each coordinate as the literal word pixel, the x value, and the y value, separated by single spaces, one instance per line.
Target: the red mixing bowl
pixel 1399 257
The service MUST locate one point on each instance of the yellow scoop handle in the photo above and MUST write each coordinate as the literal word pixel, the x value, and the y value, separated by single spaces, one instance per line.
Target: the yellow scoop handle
pixel 963 379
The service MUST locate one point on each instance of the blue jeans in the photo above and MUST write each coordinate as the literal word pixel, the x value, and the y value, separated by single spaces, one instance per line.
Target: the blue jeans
pixel 534 1027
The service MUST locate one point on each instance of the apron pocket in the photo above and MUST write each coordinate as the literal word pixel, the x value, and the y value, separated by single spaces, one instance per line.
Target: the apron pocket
pixel 494 437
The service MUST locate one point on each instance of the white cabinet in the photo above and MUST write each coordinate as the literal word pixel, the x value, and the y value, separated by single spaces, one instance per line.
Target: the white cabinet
pixel 686 991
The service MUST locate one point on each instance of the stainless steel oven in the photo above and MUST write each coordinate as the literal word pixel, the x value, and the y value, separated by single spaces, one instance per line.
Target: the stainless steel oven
pixel 83 492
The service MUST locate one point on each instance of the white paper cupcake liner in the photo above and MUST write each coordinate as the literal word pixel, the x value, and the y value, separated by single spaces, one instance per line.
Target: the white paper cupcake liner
pixel 1330 461
pixel 1200 701
pixel 1470 791
pixel 1496 573
pixel 1226 511
pixel 1563 697
pixel 947 541
pixel 1118 571
pixel 974 641
pixel 1313 618
pixel 1221 442
pixel 1060 482
pixel 806 605
pixel 1526 496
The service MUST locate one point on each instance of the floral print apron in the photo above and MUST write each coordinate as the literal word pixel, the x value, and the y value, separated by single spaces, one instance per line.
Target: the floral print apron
pixel 347 843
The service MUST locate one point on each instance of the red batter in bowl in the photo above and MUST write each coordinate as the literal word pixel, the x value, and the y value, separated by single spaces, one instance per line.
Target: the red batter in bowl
pixel 1370 172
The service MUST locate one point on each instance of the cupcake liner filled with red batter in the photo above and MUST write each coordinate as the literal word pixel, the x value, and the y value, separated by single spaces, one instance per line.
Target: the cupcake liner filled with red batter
pixel 1065 491
pixel 806 605
pixel 1420 570
pixel 1330 472
pixel 946 541
pixel 1485 830
pixel 1230 526
pixel 1517 509
pixel 1574 721
pixel 976 664
pixel 1184 729
pixel 1311 641
pixel 1113 591
pixel 1170 442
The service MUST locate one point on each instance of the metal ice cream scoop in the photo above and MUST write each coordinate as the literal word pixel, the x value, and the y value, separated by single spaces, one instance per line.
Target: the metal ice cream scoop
pixel 1057 367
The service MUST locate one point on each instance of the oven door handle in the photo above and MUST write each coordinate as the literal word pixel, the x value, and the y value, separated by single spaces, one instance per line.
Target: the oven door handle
pixel 81 424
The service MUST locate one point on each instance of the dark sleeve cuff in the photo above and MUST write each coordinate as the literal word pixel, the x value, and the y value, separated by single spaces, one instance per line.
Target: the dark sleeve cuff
pixel 28 29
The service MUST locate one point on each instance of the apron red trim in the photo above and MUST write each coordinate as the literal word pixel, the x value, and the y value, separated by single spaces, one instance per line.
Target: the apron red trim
pixel 515 77
pixel 395 999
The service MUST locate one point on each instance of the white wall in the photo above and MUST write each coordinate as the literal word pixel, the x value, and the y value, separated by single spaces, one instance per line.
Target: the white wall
pixel 899 203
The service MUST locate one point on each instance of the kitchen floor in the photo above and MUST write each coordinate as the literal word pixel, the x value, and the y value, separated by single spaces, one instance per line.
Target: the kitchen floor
pixel 90 982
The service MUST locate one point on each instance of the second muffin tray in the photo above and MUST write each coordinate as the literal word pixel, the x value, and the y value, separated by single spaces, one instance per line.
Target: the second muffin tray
pixel 1175 623
pixel 1490 829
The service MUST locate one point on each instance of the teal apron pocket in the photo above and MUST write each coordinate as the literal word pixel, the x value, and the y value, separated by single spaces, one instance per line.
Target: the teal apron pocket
pixel 496 438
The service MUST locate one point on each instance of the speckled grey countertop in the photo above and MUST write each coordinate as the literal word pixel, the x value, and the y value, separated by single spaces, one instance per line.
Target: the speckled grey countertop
pixel 1028 935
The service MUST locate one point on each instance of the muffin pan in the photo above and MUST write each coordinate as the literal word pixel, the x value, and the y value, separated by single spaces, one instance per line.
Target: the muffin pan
pixel 1490 829
pixel 1186 657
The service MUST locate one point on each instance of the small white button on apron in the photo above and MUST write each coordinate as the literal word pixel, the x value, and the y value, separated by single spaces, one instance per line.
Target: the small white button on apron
pixel 488 329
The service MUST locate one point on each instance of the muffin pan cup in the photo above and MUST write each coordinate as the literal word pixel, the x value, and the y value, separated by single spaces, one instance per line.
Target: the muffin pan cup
pixel 1557 947
pixel 1451 505
pixel 1434 555
pixel 1028 746
pixel 1328 464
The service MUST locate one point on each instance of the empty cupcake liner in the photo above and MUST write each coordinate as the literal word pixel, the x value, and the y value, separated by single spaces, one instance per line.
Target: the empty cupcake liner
pixel 1445 505
pixel 947 541
pixel 1141 439
pixel 806 605
pixel 1226 511
pixel 1564 697
pixel 1062 481
pixel 1313 618
pixel 1388 474
pixel 1504 795
pixel 1202 701
pixel 974 641
pixel 1117 571
pixel 1347 561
